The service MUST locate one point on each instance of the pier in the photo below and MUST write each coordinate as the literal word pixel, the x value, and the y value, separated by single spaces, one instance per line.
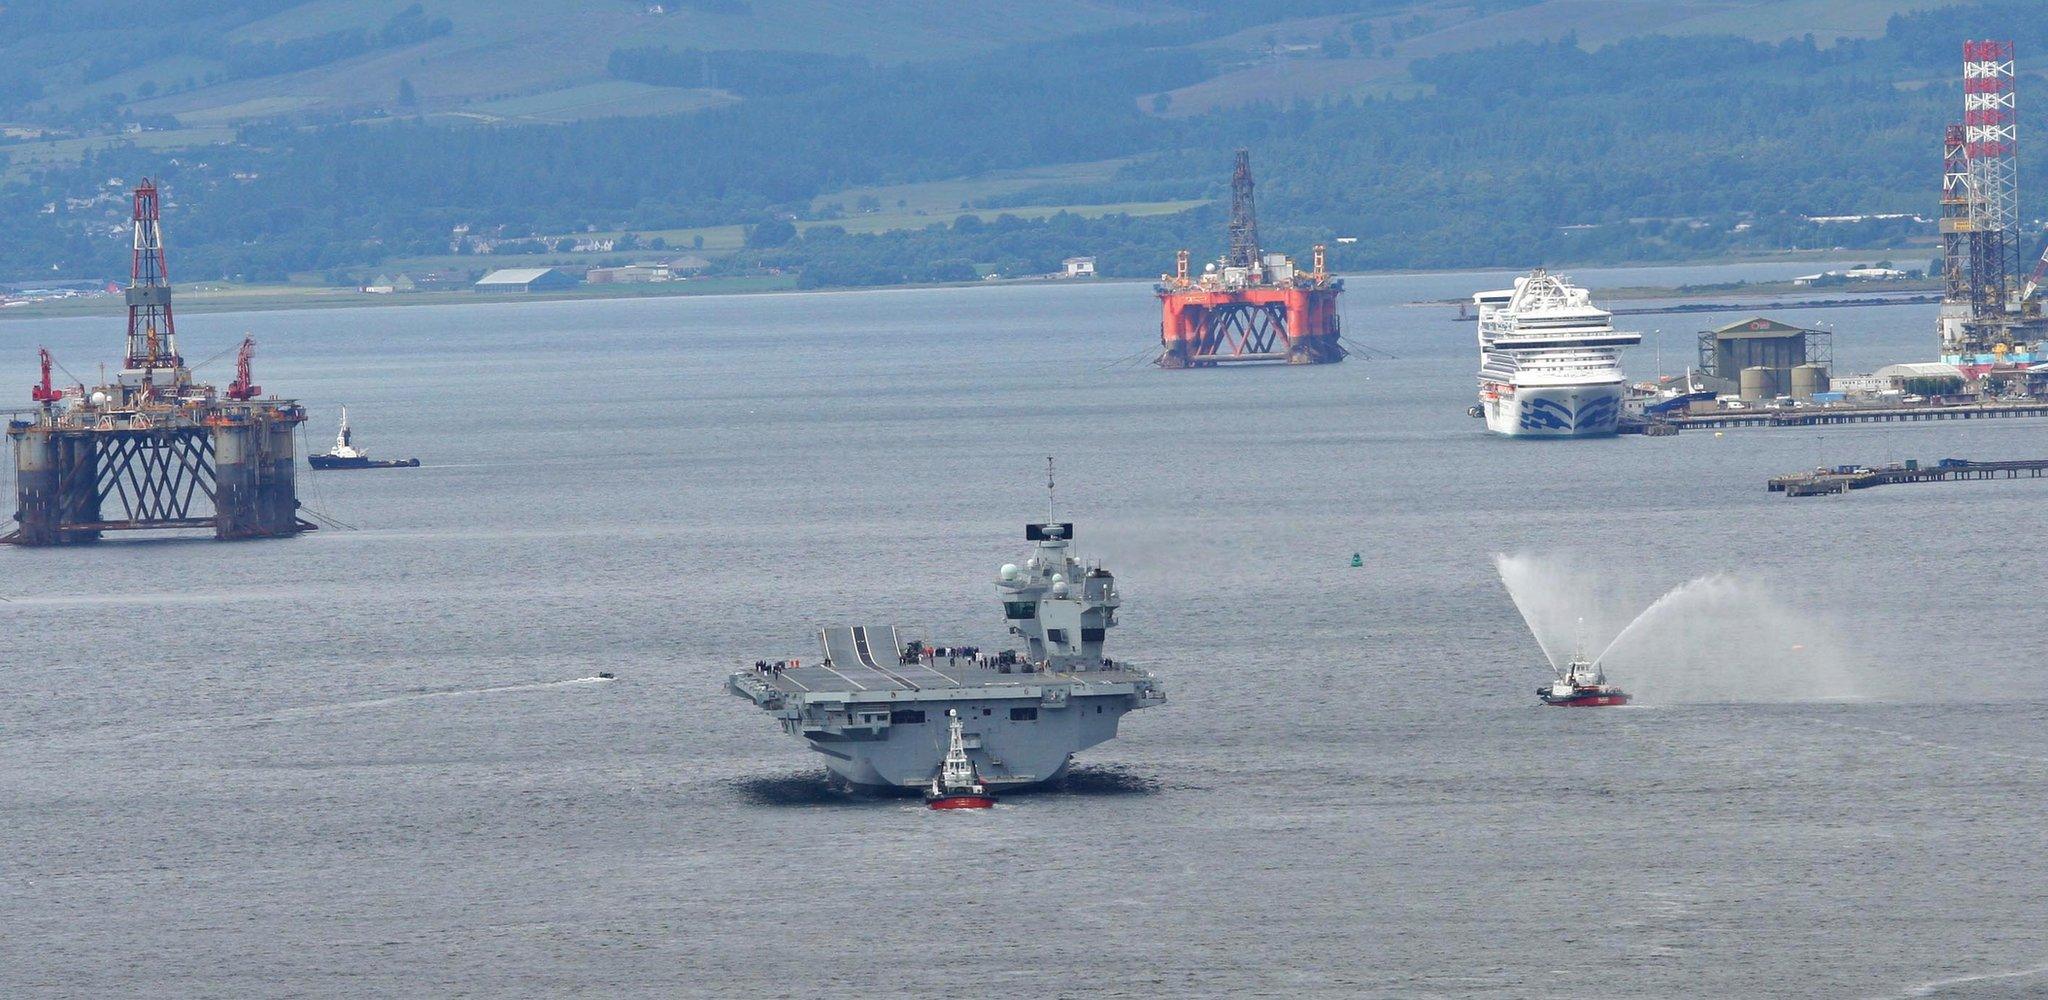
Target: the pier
pixel 1841 479
pixel 1828 415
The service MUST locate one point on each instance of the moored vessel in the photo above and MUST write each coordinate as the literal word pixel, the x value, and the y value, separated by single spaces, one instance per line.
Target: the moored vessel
pixel 879 706
pixel 1549 360
pixel 345 455
pixel 957 786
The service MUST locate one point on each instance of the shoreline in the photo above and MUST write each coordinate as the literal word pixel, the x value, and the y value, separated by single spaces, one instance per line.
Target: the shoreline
pixel 208 298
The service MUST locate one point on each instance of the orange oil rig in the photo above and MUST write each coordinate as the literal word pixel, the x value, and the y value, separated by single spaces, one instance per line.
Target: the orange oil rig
pixel 1248 306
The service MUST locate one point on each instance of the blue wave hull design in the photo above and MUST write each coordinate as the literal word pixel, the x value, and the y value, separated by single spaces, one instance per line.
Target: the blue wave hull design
pixel 1586 411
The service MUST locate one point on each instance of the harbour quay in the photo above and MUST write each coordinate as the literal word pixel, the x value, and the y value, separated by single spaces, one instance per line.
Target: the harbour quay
pixel 1843 478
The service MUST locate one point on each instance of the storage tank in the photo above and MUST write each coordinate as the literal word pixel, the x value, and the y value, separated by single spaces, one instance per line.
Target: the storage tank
pixel 1757 384
pixel 1809 380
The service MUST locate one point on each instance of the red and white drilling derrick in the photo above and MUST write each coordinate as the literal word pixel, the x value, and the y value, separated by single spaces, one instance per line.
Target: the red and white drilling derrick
pixel 1989 319
pixel 1248 306
pixel 154 449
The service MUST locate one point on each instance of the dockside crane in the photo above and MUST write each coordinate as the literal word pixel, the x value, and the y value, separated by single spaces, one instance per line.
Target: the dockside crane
pixel 244 387
pixel 44 392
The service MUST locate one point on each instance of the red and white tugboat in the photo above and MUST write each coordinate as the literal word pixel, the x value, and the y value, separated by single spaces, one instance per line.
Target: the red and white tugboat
pixel 1581 685
pixel 957 785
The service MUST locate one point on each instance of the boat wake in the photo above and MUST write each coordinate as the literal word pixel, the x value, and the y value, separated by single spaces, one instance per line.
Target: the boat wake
pixel 400 699
pixel 1940 986
pixel 250 720
pixel 1925 743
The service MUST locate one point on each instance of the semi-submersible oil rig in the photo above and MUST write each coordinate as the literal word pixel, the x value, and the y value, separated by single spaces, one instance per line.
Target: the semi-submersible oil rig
pixel 1992 321
pixel 1248 306
pixel 153 449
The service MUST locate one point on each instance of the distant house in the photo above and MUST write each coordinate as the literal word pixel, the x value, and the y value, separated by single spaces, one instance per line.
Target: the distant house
pixel 687 264
pixel 1079 267
pixel 526 279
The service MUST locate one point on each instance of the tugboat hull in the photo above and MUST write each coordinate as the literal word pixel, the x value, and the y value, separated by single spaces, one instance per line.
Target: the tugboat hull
pixel 960 800
pixel 330 462
pixel 1583 698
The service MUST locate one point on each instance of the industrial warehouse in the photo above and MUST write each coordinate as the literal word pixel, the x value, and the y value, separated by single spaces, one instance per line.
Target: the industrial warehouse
pixel 1991 330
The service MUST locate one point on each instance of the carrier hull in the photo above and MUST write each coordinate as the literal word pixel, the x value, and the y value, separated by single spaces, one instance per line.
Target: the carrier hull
pixel 889 710
pixel 1023 730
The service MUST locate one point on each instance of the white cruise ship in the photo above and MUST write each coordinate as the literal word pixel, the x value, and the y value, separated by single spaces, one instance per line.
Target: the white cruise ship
pixel 1549 360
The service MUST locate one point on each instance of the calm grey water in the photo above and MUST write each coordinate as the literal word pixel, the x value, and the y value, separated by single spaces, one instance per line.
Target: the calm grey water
pixel 361 763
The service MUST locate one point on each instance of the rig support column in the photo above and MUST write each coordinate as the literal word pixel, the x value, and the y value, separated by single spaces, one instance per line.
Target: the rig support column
pixel 256 490
pixel 56 486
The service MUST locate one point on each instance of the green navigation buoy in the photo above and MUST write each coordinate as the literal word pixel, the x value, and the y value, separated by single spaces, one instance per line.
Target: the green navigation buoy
pixel 1357 560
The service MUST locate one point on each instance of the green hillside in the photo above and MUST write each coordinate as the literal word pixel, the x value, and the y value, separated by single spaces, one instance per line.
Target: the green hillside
pixel 492 53
pixel 869 143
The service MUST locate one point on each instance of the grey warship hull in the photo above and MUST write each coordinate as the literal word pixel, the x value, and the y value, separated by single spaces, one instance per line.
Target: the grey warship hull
pixel 875 707
pixel 878 722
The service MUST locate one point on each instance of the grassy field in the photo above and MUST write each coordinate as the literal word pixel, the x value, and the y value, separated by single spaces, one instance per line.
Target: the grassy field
pixel 720 240
pixel 25 155
pixel 215 298
pixel 602 99
pixel 501 53
pixel 954 194
pixel 728 238
pixel 542 60
pixel 1285 61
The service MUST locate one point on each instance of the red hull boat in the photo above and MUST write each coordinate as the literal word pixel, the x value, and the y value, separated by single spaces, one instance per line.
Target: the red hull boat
pixel 964 800
pixel 1583 697
pixel 1582 684
pixel 957 785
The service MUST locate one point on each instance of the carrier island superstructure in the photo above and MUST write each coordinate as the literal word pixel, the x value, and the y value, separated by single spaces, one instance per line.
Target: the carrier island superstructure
pixel 874 705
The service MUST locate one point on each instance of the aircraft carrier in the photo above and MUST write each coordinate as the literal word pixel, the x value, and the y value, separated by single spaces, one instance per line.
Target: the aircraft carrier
pixel 874 704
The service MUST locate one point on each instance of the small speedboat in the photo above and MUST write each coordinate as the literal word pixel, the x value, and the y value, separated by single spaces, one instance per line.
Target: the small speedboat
pixel 1581 685
pixel 345 455
pixel 957 785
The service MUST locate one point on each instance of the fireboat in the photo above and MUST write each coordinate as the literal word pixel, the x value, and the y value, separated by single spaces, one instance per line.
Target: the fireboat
pixel 1581 684
pixel 957 785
